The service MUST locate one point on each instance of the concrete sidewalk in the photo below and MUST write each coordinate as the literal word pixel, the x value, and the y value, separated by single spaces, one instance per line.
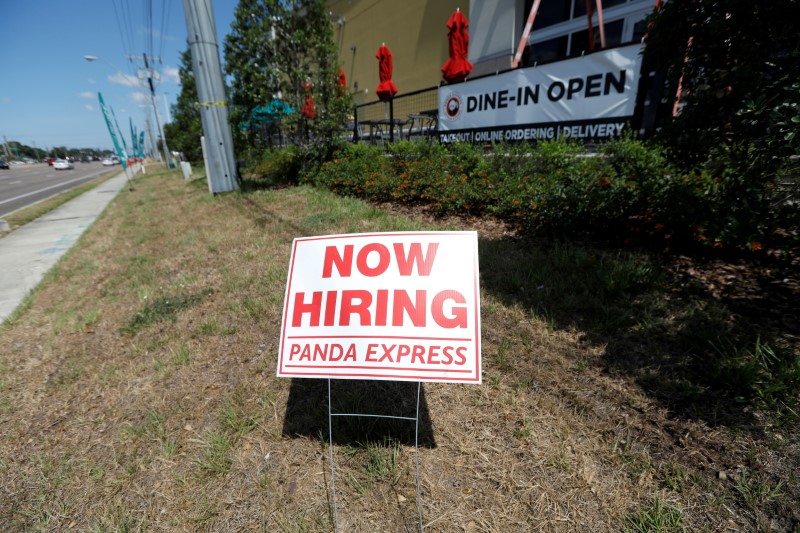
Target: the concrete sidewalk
pixel 27 253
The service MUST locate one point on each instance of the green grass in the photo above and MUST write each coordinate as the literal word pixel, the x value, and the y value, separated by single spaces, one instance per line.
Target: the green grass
pixel 214 326
pixel 160 309
pixel 658 518
pixel 755 490
pixel 236 421
pixel 180 356
pixel 156 429
pixel 216 456
pixel 381 460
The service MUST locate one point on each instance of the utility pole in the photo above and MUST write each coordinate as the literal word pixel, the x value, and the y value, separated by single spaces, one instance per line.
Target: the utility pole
pixel 149 75
pixel 202 34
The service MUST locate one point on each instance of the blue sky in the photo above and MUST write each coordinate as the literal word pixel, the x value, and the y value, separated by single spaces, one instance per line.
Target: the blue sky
pixel 48 91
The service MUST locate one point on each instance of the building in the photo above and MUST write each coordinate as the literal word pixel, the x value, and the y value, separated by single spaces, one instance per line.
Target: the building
pixel 415 31
pixel 490 105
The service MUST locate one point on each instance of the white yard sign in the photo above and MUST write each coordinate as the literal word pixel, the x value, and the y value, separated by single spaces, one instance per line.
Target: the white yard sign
pixel 399 306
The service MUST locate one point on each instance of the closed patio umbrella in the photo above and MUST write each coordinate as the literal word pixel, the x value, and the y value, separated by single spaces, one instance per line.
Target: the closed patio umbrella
pixel 308 109
pixel 457 67
pixel 386 88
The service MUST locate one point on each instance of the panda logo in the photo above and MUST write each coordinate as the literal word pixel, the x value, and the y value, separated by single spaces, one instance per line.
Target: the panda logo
pixel 453 107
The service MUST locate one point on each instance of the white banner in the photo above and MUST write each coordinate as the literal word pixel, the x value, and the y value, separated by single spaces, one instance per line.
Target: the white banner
pixel 587 97
pixel 401 306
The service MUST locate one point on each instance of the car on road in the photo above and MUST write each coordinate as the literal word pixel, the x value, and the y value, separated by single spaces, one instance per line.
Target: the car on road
pixel 3 164
pixel 63 164
pixel 108 162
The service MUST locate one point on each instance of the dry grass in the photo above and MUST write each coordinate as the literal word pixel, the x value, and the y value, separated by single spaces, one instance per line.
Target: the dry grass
pixel 138 392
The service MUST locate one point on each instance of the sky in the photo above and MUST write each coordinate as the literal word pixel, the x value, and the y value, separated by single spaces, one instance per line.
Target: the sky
pixel 48 91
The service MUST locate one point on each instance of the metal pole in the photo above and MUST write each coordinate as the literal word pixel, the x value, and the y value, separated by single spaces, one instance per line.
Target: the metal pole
pixel 333 471
pixel 523 42
pixel 202 36
pixel 391 119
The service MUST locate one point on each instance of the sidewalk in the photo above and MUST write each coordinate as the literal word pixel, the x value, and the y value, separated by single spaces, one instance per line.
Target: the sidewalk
pixel 27 253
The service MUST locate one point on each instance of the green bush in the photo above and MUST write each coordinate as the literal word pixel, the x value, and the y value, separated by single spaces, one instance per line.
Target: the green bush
pixel 277 167
pixel 626 190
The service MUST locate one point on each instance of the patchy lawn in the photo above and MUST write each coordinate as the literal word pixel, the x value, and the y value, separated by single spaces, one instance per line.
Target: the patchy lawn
pixel 138 388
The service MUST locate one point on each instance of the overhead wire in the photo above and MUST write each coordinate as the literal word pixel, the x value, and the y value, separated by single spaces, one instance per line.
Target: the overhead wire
pixel 124 27
pixel 165 12
pixel 149 28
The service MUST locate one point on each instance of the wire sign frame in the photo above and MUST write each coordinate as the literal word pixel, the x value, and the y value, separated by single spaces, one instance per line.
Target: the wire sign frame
pixel 414 418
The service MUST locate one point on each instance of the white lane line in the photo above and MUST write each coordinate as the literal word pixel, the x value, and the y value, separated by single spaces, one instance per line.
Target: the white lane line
pixel 42 190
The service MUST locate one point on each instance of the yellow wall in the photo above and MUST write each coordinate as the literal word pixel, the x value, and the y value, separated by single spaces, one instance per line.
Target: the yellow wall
pixel 414 30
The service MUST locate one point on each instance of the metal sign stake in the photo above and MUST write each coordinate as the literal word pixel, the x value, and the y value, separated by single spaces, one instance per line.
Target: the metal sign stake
pixel 415 418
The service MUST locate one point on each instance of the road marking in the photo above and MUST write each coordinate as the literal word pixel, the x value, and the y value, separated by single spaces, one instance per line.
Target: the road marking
pixel 42 190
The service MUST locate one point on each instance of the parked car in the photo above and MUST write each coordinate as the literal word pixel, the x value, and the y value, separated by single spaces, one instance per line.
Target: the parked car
pixel 63 164
pixel 3 164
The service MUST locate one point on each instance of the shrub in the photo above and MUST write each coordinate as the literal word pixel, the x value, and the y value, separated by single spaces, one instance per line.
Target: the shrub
pixel 627 190
pixel 277 167
pixel 354 170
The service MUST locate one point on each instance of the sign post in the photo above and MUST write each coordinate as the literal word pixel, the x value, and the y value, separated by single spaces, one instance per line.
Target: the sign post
pixel 402 306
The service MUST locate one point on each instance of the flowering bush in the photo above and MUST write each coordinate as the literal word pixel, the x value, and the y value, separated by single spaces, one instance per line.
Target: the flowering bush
pixel 626 190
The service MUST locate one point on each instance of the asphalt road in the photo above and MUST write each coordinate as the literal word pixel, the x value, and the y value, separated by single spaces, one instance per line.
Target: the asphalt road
pixel 23 185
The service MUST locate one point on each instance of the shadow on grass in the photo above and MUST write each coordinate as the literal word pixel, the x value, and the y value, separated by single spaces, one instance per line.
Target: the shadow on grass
pixel 307 411
pixel 684 350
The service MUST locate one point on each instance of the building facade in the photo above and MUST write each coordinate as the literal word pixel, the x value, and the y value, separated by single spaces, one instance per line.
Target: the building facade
pixel 560 30
pixel 416 32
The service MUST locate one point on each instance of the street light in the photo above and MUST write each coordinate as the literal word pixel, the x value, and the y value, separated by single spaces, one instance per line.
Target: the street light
pixel 91 58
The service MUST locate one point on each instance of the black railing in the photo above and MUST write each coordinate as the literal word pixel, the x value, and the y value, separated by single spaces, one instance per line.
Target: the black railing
pixel 405 116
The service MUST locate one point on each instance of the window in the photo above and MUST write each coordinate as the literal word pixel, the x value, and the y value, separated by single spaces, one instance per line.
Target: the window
pixel 550 12
pixel 580 39
pixel 580 6
pixel 547 51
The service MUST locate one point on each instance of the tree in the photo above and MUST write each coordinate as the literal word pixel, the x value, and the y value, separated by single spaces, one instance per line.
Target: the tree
pixel 186 128
pixel 283 49
pixel 738 65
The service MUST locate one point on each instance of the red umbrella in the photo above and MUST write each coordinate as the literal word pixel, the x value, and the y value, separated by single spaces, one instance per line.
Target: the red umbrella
pixel 457 68
pixel 386 88
pixel 308 108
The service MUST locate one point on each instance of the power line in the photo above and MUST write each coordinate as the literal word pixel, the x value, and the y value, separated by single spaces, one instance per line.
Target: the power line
pixel 165 12
pixel 149 27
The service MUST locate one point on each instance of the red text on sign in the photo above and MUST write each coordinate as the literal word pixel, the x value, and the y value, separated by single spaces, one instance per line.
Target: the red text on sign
pixel 343 260
pixel 337 308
